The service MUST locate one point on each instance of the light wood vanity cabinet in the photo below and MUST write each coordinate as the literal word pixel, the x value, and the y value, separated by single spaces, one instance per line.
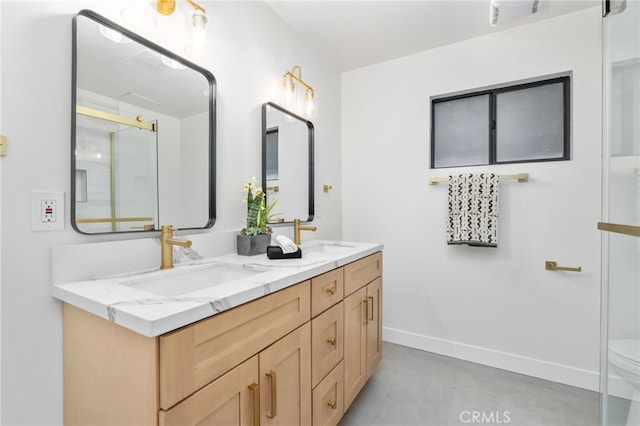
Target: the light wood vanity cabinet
pixel 362 323
pixel 283 359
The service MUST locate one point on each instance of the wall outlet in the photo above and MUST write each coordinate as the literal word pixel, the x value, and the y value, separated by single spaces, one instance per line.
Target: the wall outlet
pixel 47 211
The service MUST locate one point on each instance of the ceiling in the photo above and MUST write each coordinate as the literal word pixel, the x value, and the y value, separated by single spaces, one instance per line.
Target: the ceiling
pixel 356 33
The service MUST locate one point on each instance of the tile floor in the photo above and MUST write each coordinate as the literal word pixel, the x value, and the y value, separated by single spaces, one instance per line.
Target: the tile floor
pixel 413 387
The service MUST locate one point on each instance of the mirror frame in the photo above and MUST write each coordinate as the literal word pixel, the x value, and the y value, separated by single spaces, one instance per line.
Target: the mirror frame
pixel 150 45
pixel 310 139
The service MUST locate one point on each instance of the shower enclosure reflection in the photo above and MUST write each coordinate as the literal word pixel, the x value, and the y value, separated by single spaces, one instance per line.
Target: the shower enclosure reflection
pixel 116 169
pixel 620 352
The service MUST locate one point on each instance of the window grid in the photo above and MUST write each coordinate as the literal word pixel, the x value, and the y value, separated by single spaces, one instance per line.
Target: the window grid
pixel 493 119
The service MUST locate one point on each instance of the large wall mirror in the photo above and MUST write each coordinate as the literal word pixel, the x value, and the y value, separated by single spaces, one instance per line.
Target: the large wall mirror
pixel 287 163
pixel 143 133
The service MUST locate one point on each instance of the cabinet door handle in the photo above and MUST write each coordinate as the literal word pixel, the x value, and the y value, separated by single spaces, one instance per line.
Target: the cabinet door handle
pixel 331 341
pixel 255 390
pixel 366 310
pixel 332 404
pixel 370 312
pixel 274 399
pixel 331 290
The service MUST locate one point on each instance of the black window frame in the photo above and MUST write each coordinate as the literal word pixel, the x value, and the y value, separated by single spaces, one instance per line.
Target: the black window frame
pixel 493 93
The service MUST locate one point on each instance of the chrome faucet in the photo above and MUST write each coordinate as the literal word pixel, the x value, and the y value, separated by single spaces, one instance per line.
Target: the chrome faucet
pixel 166 246
pixel 297 228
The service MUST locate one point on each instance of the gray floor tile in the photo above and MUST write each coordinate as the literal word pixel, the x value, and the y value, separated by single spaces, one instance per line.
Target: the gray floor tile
pixel 413 387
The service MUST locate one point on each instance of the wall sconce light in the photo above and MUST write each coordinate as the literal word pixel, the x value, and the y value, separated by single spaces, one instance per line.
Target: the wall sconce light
pixel 141 15
pixel 289 81
pixel 199 17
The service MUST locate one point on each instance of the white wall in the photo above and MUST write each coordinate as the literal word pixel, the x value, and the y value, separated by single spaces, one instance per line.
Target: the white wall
pixel 493 306
pixel 250 50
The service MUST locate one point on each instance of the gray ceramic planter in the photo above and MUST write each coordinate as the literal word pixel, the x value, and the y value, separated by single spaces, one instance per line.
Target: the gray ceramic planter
pixel 249 245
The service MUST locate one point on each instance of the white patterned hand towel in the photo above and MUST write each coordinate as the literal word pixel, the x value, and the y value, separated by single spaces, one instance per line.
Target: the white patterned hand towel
pixel 473 210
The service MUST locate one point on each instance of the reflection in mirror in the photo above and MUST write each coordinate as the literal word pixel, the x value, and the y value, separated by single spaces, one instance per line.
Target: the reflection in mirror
pixel 143 133
pixel 287 163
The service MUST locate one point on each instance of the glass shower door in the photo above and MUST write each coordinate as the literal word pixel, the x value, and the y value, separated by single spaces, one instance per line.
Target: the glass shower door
pixel 135 179
pixel 620 352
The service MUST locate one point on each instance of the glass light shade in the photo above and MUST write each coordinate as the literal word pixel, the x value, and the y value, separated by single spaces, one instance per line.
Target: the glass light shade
pixel 199 19
pixel 198 37
pixel 310 103
pixel 141 15
pixel 289 89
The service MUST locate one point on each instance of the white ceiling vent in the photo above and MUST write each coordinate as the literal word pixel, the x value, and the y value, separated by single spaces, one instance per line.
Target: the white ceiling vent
pixel 149 60
pixel 507 10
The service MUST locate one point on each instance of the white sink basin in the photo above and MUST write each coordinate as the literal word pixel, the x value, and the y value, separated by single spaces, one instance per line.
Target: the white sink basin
pixel 179 281
pixel 328 247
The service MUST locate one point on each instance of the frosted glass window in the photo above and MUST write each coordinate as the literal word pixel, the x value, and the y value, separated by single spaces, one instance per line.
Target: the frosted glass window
pixel 461 132
pixel 625 109
pixel 508 124
pixel 272 154
pixel 530 124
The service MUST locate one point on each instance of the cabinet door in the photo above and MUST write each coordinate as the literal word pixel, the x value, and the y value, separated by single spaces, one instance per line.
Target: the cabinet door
pixel 355 345
pixel 285 380
pixel 374 325
pixel 232 400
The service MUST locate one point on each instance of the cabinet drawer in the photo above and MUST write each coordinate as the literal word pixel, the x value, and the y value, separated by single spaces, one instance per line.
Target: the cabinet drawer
pixel 361 272
pixel 326 290
pixel 328 404
pixel 327 347
pixel 230 400
pixel 193 356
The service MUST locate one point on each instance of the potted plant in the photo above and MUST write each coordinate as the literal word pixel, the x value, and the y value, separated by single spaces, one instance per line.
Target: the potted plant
pixel 256 236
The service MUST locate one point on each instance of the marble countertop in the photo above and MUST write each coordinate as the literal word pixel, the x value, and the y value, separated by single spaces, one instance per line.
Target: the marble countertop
pixel 153 302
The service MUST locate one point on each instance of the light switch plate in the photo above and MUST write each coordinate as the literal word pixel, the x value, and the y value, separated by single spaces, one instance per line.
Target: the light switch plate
pixel 47 211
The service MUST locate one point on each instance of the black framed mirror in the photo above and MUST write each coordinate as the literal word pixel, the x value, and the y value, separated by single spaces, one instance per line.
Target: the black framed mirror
pixel 142 133
pixel 288 163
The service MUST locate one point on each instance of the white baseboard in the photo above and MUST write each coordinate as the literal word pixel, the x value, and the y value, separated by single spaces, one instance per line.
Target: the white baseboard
pixel 516 363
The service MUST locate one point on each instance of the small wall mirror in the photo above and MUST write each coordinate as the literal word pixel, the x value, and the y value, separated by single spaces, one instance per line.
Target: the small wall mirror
pixel 143 133
pixel 287 163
